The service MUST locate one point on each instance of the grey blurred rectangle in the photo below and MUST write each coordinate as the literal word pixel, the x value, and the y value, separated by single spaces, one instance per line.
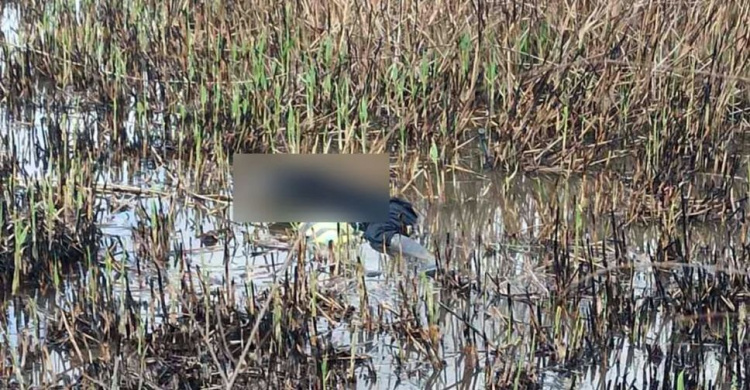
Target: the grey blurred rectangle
pixel 311 187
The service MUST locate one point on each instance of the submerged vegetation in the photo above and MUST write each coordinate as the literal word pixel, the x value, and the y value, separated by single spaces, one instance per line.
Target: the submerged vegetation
pixel 581 167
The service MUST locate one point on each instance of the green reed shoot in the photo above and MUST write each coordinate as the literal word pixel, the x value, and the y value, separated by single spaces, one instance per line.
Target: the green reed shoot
pixel 20 231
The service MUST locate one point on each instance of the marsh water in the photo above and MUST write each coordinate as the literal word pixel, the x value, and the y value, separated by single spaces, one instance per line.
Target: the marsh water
pixel 493 226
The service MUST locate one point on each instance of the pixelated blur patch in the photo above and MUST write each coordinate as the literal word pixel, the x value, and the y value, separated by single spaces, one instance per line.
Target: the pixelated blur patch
pixel 310 187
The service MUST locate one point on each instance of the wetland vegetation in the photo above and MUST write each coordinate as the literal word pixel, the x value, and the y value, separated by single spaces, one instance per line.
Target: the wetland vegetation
pixel 580 166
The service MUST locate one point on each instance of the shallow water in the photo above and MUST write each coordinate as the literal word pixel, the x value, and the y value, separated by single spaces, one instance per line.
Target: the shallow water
pixel 507 220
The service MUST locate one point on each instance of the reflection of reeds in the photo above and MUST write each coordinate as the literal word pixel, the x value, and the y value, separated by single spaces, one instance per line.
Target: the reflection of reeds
pixel 285 348
pixel 571 295
pixel 579 287
pixel 46 225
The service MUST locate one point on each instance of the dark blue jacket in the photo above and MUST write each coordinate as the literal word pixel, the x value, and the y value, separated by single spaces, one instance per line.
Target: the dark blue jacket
pixel 401 216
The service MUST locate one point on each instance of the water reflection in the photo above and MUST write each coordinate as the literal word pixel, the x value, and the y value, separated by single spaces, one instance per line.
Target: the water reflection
pixel 497 231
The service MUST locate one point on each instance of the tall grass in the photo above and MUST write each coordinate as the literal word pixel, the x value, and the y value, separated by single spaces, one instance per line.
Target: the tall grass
pixel 576 86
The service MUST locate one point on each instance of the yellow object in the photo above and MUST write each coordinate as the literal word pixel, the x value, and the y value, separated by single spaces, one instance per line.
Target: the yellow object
pixel 321 233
